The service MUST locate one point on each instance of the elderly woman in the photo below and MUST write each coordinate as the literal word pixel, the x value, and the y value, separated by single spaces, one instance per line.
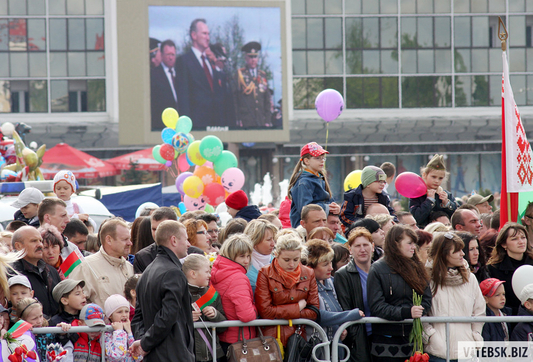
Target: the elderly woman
pixel 197 234
pixel 52 244
pixel 286 289
pixel 322 233
pixel 319 258
pixel 228 277
pixel 262 234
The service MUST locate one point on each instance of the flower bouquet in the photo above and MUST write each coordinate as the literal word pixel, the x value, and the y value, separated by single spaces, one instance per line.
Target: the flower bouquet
pixel 415 337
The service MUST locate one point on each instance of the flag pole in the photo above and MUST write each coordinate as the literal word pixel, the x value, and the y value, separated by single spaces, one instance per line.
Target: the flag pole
pixel 503 36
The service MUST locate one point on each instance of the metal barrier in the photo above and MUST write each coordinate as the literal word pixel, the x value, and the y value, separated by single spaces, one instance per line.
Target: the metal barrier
pixel 447 320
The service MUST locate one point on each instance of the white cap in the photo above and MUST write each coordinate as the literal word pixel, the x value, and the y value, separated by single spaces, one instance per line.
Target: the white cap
pixel 29 195
pixel 527 293
pixel 19 280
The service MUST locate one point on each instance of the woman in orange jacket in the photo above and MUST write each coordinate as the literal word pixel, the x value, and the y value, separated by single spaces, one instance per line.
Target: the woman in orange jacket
pixel 286 289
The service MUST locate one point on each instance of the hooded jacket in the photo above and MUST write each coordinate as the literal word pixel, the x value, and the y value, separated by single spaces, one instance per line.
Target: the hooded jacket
pixel 308 189
pixel 354 204
pixel 230 280
pixel 454 299
pixel 249 213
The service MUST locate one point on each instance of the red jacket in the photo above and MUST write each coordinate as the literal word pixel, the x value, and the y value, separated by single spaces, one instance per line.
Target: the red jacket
pixel 285 213
pixel 275 301
pixel 85 349
pixel 230 280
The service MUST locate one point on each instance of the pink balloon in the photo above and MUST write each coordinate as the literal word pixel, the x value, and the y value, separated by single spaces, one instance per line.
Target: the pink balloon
pixel 194 204
pixel 208 164
pixel 179 181
pixel 410 185
pixel 232 179
pixel 329 104
pixel 183 165
pixel 214 194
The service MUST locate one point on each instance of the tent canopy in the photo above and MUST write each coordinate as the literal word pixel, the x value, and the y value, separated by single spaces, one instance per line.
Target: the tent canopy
pixel 83 165
pixel 143 159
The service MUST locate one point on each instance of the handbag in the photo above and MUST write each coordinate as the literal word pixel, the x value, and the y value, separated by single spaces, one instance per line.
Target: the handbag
pixel 262 349
pixel 298 349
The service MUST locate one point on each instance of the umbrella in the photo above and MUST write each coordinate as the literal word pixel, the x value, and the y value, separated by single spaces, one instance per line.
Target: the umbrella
pixel 83 165
pixel 143 159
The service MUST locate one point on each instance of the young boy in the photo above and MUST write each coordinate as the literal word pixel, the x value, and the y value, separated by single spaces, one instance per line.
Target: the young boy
pixel 69 294
pixel 370 191
pixel 524 330
pixel 237 203
pixel 64 188
pixel 494 294
pixel 28 203
pixel 19 288
pixel 88 347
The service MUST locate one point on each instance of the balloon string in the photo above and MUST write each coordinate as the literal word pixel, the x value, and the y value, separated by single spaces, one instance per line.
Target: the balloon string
pixel 327 134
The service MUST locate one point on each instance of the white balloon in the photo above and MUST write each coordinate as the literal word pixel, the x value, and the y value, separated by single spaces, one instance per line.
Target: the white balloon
pixel 141 208
pixel 33 145
pixel 7 129
pixel 522 277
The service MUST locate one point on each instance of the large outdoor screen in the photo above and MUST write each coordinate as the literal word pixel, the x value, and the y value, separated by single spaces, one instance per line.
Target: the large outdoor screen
pixel 221 63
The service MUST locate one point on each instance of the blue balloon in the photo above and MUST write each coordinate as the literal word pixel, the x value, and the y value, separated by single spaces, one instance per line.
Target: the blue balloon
pixel 2 161
pixel 167 134
pixel 182 208
pixel 188 161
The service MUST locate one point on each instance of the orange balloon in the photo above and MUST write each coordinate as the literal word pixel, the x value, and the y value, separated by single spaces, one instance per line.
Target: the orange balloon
pixel 206 174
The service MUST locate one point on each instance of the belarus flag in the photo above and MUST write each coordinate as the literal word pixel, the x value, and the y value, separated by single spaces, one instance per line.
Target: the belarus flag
pixel 71 262
pixel 517 172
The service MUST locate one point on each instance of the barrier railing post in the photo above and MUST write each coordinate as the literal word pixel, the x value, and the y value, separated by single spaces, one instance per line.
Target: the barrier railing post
pixel 214 343
pixel 447 342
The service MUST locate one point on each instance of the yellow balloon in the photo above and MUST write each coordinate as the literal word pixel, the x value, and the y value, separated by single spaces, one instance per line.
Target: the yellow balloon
pixel 193 152
pixel 353 180
pixel 193 187
pixel 170 117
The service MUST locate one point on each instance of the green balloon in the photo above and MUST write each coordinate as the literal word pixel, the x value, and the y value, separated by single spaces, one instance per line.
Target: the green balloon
pixel 209 209
pixel 211 148
pixel 157 155
pixel 184 125
pixel 226 160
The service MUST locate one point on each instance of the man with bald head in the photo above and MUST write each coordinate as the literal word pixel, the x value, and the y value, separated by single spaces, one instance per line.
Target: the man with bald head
pixel 466 220
pixel 43 278
pixel 376 209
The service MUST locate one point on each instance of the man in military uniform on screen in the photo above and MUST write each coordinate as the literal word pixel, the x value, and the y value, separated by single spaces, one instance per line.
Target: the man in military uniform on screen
pixel 253 95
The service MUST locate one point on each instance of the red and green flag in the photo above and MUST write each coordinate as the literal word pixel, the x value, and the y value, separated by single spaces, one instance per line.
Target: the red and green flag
pixel 208 298
pixel 19 329
pixel 71 262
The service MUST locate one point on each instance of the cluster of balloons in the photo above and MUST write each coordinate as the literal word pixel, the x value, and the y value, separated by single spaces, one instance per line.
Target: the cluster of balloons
pixel 18 162
pixel 216 173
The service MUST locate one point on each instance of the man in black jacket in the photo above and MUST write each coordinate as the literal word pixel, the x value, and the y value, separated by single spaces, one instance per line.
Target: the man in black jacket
pixel 145 256
pixel 42 277
pixel 162 324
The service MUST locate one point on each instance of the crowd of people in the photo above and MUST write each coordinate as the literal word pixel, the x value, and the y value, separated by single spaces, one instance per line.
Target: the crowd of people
pixel 312 258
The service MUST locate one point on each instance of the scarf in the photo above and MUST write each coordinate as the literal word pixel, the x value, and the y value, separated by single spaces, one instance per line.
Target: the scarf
pixel 259 260
pixel 288 279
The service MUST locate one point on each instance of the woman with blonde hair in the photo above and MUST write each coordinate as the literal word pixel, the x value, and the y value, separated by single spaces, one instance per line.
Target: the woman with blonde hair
pixel 262 233
pixel 197 234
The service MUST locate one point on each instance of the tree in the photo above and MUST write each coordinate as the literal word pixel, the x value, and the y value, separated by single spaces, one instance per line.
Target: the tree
pixel 134 176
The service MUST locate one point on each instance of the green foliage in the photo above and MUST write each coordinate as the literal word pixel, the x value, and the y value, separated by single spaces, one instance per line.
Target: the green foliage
pixel 134 176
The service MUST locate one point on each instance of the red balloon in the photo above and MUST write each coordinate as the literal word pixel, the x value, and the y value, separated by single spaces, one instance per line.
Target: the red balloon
pixel 214 194
pixel 410 185
pixel 167 152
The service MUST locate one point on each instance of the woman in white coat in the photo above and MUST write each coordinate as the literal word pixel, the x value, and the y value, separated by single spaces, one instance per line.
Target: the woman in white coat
pixel 456 293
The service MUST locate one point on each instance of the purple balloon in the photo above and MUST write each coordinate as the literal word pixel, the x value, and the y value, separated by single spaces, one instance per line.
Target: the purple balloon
pixel 179 181
pixel 329 104
pixel 168 163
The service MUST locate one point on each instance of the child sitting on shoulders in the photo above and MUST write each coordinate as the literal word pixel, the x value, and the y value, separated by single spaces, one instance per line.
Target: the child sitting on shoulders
pixel 117 343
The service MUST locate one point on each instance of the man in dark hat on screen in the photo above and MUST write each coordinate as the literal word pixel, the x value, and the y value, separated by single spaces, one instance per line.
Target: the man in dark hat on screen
pixel 253 96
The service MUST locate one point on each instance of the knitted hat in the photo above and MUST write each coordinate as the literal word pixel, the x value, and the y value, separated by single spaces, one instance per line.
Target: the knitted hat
pixel 28 196
pixel 372 174
pixel 489 286
pixel 371 225
pixel 312 148
pixel 478 199
pixel 237 200
pixel 114 302
pixel 65 175
pixel 437 163
pixel 93 315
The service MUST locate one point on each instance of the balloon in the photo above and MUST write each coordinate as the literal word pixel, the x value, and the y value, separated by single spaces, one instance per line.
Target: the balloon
pixel 193 152
pixel 206 174
pixel 182 208
pixel 193 186
pixel 168 163
pixel 167 134
pixel 353 180
pixel 143 206
pixel 193 204
pixel 2 161
pixel 180 142
pixel 410 185
pixel 7 129
pixel 179 181
pixel 157 156
pixel 183 165
pixel 184 124
pixel 188 161
pixel 170 117
pixel 209 209
pixel 211 148
pixel 167 152
pixel 214 194
pixel 190 137
pixel 329 104
pixel 232 179
pixel 226 160
pixel 522 277
pixel 7 173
